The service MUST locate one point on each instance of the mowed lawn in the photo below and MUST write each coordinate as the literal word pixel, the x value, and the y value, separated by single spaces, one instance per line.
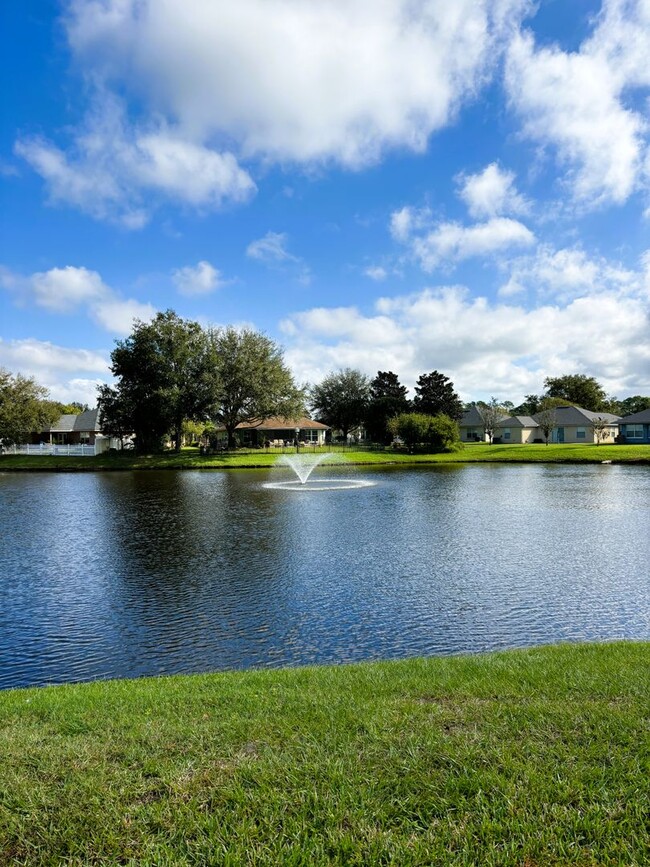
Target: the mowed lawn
pixel 530 758
pixel 190 458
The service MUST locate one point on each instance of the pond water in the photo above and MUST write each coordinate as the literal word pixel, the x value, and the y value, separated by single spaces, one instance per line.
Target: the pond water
pixel 107 575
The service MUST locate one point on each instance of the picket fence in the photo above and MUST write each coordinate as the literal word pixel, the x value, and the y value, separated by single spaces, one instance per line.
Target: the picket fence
pixel 51 449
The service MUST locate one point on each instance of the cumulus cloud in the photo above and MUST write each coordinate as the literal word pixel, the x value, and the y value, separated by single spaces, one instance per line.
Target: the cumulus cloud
pixel 582 103
pixel 115 171
pixel 487 348
pixel 69 289
pixel 491 193
pixel 448 243
pixel 372 74
pixel 569 273
pixel 202 279
pixel 68 373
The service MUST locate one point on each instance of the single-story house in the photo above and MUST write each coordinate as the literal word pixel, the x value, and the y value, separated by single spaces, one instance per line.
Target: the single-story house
pixel 636 427
pixel 277 432
pixel 81 429
pixel 575 425
pixel 518 429
pixel 73 430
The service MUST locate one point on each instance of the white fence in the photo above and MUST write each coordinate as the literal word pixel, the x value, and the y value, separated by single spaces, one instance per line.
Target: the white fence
pixel 50 449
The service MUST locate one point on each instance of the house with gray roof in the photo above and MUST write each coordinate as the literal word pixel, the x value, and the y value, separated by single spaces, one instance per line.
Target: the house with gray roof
pixel 635 428
pixel 576 425
pixel 70 429
pixel 518 429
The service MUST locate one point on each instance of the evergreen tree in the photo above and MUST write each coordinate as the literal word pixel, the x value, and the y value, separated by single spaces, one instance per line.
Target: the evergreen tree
pixel 434 394
pixel 387 400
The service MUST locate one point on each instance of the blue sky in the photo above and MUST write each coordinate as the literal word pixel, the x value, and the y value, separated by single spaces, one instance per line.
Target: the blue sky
pixel 383 184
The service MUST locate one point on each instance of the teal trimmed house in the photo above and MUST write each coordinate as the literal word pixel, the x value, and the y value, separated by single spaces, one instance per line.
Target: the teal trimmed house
pixel 636 427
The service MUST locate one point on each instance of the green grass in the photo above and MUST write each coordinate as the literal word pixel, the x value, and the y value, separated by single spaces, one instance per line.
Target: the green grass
pixel 474 452
pixel 529 758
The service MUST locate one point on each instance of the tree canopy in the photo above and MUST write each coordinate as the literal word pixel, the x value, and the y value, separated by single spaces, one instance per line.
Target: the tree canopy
pixel 166 373
pixel 24 408
pixel 434 394
pixel 387 399
pixel 579 389
pixel 253 381
pixel 416 428
pixel 341 399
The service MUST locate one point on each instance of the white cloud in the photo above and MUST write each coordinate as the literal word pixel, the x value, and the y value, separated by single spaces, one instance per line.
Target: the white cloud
pixel 569 273
pixel 582 103
pixel 69 374
pixel 449 243
pixel 491 193
pixel 68 289
pixel 117 315
pixel 64 289
pixel 271 248
pixel 376 272
pixel 115 171
pixel 202 279
pixel 486 348
pixel 373 74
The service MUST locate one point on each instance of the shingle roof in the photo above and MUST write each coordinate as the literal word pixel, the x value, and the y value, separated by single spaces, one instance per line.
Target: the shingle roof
pixel 290 424
pixel 84 421
pixel 518 421
pixel 642 417
pixel 472 417
pixel 575 415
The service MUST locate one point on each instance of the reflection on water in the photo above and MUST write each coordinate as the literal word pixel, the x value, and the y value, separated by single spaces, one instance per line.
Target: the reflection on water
pixel 128 574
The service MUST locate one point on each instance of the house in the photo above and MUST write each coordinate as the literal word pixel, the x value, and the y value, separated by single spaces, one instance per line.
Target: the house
pixel 518 429
pixel 576 425
pixel 635 428
pixel 81 429
pixel 472 426
pixel 277 432
pixel 572 425
pixel 75 430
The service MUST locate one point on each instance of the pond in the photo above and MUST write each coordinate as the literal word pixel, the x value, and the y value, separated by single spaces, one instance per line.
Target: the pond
pixel 106 575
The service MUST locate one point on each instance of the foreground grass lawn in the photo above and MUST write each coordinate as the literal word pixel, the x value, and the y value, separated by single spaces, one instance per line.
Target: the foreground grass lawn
pixel 529 758
pixel 473 452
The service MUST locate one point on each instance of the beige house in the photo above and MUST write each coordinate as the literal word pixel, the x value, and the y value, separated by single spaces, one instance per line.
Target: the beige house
pixel 518 429
pixel 572 425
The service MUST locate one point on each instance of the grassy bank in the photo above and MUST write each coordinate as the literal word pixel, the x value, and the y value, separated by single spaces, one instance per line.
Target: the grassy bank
pixel 474 452
pixel 535 757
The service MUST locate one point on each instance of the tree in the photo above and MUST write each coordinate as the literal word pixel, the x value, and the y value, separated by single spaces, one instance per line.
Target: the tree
pixel 531 405
pixel 166 374
pixel 415 428
pixel 253 381
pixel 387 399
pixel 632 405
pixel 24 408
pixel 434 394
pixel 546 418
pixel 601 427
pixel 341 399
pixel 578 389
pixel 492 413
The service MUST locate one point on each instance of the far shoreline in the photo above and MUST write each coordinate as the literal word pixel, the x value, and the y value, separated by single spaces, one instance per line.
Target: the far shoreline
pixel 191 459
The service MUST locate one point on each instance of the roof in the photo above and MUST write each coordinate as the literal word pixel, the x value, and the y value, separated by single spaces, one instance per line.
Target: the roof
pixel 472 417
pixel 642 417
pixel 518 421
pixel 288 424
pixel 575 415
pixel 84 421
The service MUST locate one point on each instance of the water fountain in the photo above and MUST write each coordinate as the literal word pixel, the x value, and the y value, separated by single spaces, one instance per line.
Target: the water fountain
pixel 303 465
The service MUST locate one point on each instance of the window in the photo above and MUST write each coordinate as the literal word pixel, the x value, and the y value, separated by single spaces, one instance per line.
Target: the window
pixel 505 433
pixel 634 431
pixel 471 433
pixel 581 433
